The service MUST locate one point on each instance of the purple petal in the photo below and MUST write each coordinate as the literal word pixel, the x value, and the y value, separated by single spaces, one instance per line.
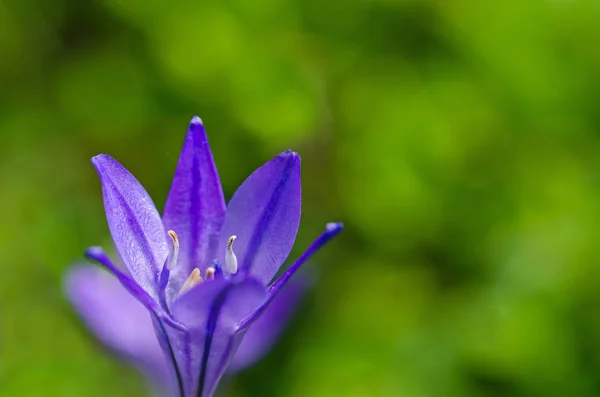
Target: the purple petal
pixel 160 319
pixel 134 223
pixel 332 230
pixel 264 214
pixel 266 329
pixel 120 321
pixel 195 207
pixel 98 255
pixel 212 313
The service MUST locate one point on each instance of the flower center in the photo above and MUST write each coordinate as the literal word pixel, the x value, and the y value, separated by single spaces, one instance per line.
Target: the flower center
pixel 195 278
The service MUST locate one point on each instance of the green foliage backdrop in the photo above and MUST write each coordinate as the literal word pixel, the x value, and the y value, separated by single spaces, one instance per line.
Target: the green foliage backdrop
pixel 459 141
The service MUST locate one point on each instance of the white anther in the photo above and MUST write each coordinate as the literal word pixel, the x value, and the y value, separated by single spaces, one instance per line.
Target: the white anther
pixel 175 254
pixel 193 280
pixel 231 264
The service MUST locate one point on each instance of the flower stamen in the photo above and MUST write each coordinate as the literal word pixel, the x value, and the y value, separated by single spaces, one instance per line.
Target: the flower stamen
pixel 175 255
pixel 210 273
pixel 193 280
pixel 231 264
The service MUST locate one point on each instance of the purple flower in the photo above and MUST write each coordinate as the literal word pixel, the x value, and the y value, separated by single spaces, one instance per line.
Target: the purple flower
pixel 204 271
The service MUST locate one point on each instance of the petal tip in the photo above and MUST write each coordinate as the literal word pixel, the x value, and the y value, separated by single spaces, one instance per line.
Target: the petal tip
pixel 290 155
pixel 92 252
pixel 196 121
pixel 334 227
pixel 196 132
pixel 99 159
pixel 103 162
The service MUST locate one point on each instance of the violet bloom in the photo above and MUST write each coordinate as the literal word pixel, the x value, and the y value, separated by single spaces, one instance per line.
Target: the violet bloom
pixel 204 294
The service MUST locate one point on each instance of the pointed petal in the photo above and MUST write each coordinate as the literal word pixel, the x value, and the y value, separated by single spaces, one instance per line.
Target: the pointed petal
pixel 265 331
pixel 332 230
pixel 212 313
pixel 264 214
pixel 134 223
pixel 160 319
pixel 120 321
pixel 97 254
pixel 195 207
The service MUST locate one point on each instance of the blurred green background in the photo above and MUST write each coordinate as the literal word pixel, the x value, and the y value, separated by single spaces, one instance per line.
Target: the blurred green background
pixel 457 140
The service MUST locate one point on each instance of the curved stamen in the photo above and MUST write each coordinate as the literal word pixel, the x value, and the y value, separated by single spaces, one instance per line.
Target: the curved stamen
pixel 231 263
pixel 165 274
pixel 175 255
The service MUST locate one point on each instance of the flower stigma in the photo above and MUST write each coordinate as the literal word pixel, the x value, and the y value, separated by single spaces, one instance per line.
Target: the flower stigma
pixel 231 264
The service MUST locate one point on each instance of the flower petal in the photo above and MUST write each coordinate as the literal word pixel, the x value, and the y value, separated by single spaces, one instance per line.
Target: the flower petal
pixel 195 207
pixel 264 214
pixel 97 254
pixel 265 331
pixel 120 321
pixel 134 223
pixel 212 313
pixel 332 230
pixel 160 319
